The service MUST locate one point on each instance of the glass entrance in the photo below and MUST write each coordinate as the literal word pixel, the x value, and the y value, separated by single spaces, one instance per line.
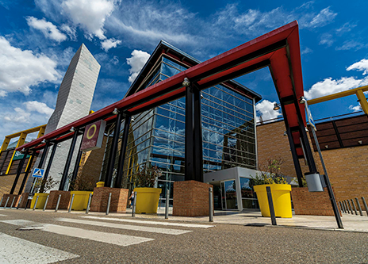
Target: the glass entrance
pixel 228 197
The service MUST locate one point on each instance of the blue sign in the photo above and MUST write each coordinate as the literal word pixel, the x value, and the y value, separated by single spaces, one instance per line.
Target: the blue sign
pixel 38 173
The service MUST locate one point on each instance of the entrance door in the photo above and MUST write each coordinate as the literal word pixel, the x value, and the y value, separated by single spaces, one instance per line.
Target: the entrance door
pixel 229 200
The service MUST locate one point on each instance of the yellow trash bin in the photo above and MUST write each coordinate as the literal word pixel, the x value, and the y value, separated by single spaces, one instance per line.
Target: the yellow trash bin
pixel 80 201
pixel 280 197
pixel 41 200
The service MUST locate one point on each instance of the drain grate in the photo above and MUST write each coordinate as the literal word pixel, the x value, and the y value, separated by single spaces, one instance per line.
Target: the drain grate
pixel 256 224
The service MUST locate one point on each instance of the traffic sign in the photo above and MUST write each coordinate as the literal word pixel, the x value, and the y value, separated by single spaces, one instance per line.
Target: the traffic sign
pixel 38 173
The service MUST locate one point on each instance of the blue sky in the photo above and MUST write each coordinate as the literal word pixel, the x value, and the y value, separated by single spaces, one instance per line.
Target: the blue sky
pixel 38 39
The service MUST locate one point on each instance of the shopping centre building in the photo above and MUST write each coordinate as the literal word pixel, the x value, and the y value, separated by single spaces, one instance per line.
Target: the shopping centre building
pixel 184 119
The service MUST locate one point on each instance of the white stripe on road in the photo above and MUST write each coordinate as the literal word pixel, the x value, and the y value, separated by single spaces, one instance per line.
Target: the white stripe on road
pixel 2 215
pixel 110 238
pixel 149 222
pixel 18 222
pixel 16 250
pixel 128 227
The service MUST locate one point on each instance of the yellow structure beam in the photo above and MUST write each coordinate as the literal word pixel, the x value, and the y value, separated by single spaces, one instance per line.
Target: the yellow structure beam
pixel 22 137
pixel 359 92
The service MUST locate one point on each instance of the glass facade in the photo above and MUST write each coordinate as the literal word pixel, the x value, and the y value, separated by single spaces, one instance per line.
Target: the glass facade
pixel 157 136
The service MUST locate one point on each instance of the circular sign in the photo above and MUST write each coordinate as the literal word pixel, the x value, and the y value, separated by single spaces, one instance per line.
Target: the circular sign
pixel 91 134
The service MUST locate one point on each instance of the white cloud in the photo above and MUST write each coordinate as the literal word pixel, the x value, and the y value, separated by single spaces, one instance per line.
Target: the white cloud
pixel 330 86
pixel 110 43
pixel 307 50
pixel 47 28
pixel 361 65
pixel 326 39
pixel 89 14
pixel 347 27
pixel 22 69
pixel 356 108
pixel 265 109
pixel 324 17
pixel 18 116
pixel 70 31
pixel 351 44
pixel 39 107
pixel 136 62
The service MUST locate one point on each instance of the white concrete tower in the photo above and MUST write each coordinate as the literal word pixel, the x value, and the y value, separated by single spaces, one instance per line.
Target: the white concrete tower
pixel 73 102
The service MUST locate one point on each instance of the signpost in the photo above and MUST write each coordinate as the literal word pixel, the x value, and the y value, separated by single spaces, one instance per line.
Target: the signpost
pixel 93 135
pixel 38 173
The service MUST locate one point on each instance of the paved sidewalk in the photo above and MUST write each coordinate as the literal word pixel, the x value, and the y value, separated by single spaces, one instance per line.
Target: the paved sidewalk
pixel 355 223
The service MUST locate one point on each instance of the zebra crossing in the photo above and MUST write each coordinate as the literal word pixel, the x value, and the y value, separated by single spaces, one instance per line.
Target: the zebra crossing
pixel 110 236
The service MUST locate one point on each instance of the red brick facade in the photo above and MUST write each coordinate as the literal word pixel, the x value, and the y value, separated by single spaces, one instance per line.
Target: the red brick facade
pixel 347 167
pixel 53 198
pixel 119 199
pixel 191 198
pixel 311 203
pixel 13 198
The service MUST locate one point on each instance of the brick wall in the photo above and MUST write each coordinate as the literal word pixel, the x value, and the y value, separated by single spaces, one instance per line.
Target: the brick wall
pixel 311 203
pixel 13 198
pixel 6 182
pixel 119 199
pixel 53 198
pixel 191 198
pixel 347 167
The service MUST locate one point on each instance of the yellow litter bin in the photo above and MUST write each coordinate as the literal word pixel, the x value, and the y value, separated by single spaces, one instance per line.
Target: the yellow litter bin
pixel 147 200
pixel 41 200
pixel 280 197
pixel 80 201
pixel 100 184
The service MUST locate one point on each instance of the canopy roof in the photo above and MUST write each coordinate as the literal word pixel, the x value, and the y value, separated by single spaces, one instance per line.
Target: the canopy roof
pixel 278 49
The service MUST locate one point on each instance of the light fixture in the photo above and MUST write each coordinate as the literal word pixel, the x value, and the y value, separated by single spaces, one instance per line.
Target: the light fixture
pixel 302 100
pixel 132 119
pixel 285 133
pixel 202 96
pixel 72 129
pixel 360 142
pixel 43 141
pixel 116 111
pixel 186 82
pixel 276 107
pixel 306 129
pixel 59 145
pixel 326 146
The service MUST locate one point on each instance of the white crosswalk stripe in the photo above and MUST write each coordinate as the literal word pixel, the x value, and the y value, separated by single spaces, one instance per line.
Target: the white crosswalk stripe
pixel 2 215
pixel 111 238
pixel 128 227
pixel 148 222
pixel 16 250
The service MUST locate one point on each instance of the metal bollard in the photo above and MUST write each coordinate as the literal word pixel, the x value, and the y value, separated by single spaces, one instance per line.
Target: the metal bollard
pixel 134 204
pixel 20 200
pixel 89 203
pixel 167 204
pixel 11 207
pixel 57 204
pixel 34 207
pixel 339 204
pixel 6 203
pixel 356 212
pixel 342 206
pixel 351 208
pixel 365 205
pixel 359 208
pixel 211 204
pixel 47 199
pixel 71 203
pixel 347 207
pixel 270 203
pixel 108 204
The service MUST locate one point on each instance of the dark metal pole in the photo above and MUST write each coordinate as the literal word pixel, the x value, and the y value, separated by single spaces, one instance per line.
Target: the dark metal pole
pixel 189 135
pixel 76 165
pixel 26 173
pixel 352 201
pixel 211 204
pixel 347 207
pixel 270 203
pixel 197 121
pixel 114 147
pixel 298 169
pixel 19 170
pixel 50 161
pixel 43 156
pixel 123 146
pixel 360 208
pixel 351 208
pixel 134 204
pixel 365 205
pixel 68 161
pixel 167 203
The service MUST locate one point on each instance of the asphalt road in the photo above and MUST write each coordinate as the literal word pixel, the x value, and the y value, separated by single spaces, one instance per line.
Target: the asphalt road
pixel 29 234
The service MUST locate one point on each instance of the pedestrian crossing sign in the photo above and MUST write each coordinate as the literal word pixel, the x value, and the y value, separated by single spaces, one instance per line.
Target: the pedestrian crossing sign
pixel 38 173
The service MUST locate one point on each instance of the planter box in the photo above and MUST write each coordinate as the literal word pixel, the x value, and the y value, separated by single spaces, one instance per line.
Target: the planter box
pixel 80 201
pixel 41 200
pixel 53 198
pixel 11 198
pixel 147 200
pixel 119 198
pixel 280 197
